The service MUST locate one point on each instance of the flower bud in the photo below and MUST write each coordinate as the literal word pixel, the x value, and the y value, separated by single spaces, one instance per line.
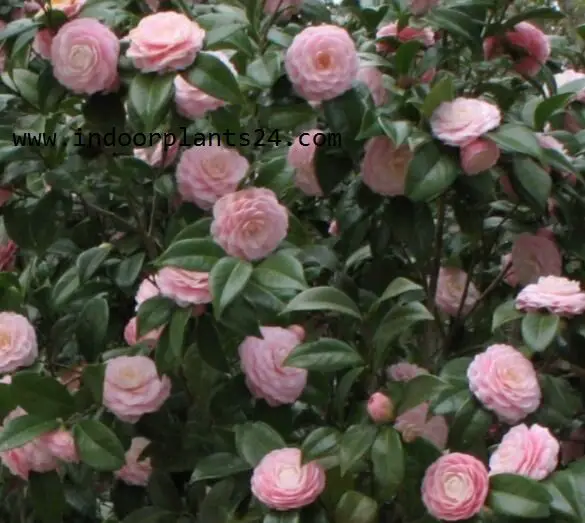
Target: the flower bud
pixel 480 155
pixel 380 408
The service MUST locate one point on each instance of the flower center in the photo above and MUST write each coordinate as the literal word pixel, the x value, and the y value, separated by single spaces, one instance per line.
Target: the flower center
pixel 288 477
pixel 215 167
pixel 253 226
pixel 5 340
pixel 130 377
pixel 80 57
pixel 323 60
pixel 410 432
pixel 511 375
pixel 455 487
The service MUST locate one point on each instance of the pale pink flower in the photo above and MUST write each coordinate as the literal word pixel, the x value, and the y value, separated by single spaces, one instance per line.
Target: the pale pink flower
pixel 505 382
pixel 282 482
pixel 146 290
pixel 532 452
pixel 70 8
pixel 158 155
pixel 529 40
pixel 333 228
pixel 425 36
pixel 384 166
pixel 322 62
pixel 301 157
pixel 546 232
pixel 478 156
pixel 262 363
pixel 165 41
pixel 404 371
pixel 373 78
pixel 184 287
pixel 194 103
pixel 510 278
pixel 8 250
pixel 287 8
pixel 132 387
pixel 250 223
pixel 18 342
pixel 380 408
pixel 568 76
pixel 205 174
pixel 455 487
pixel 5 194
pixel 556 294
pixel 450 288
pixel 43 42
pixel 84 55
pixel 136 471
pixel 460 122
pixel 416 423
pixel 131 334
pixel 421 7
pixel 534 256
pixel 62 445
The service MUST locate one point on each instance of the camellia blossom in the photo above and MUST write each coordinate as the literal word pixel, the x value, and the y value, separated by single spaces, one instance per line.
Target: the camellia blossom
pixel 184 287
pixel 131 334
pixel 534 256
pixel 464 120
pixel 404 371
pixel 505 382
pixel 450 289
pixel 62 445
pixel 281 482
pixel 532 452
pixel 568 76
pixel 18 342
pixel 425 36
pixel 301 157
pixel 416 423
pixel 374 80
pixel 455 487
pixel 380 408
pixel 510 277
pixel 69 8
pixel 322 62
pixel 478 156
pixel 555 294
pixel 146 290
pixel 421 7
pixel 287 8
pixel 136 471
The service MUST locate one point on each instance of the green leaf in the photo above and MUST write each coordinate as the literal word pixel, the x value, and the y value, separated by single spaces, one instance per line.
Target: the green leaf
pixel 420 389
pixel 324 355
pixel 162 491
pixel 566 490
pixel 290 516
pixel 397 287
pixel 539 13
pixel 42 396
pixel 153 313
pixel 281 271
pixel 194 254
pixel 92 377
pixel 92 327
pixel 355 443
pixel 397 131
pixel 344 388
pixel 16 27
pixel 442 91
pixel 518 496
pixel 322 444
pixel 195 231
pixel 149 96
pixel 405 56
pixel 88 262
pixel 539 330
pixel 48 496
pixel 429 173
pixel 129 270
pixel 98 446
pixel 213 77
pixel 531 182
pixel 209 344
pixel 516 139
pixel 23 429
pixel 255 440
pixel 148 515
pixel 547 108
pixel 227 280
pixel 456 22
pixel 219 465
pixel 323 298
pixel 177 328
pixel 505 313
pixel 388 462
pixel 355 507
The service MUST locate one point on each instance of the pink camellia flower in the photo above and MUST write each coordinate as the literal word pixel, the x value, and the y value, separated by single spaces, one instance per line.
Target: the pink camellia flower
pixel 184 287
pixel 262 363
pixel 43 42
pixel 250 223
pixel 62 445
pixel 301 157
pixel 568 76
pixel 282 482
pixel 534 256
pixel 131 334
pixel 5 194
pixel 415 423
pixel 505 382
pixel 530 41
pixel 69 8
pixel 191 101
pixel 18 342
pixel 455 487
pixel 373 78
pixel 322 62
pixel 546 232
pixel 84 55
pixel 136 471
pixel 165 41
pixel 404 371
pixel 462 121
pixel 205 174
pixel 158 155
pixel 8 250
pixel 510 278
pixel 380 408
pixel 450 288
pixel 146 290
pixel 421 7
pixel 333 228
pixel 384 166
pixel 132 387
pixel 287 8
pixel 425 36
pixel 556 294
pixel 550 142
pixel 532 452
pixel 574 447
pixel 478 156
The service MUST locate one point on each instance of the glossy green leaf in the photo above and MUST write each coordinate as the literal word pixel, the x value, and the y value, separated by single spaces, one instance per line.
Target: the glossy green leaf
pixel 255 440
pixel 149 96
pixel 531 182
pixel 324 355
pixel 518 496
pixel 442 91
pixel 323 299
pixel 48 496
pixel 153 313
pixel 355 443
pixel 88 262
pixel 193 254
pixel 227 280
pixel 420 389
pixel 322 444
pixel 42 396
pixel 355 507
pixel 388 462
pixel 98 446
pixel 539 330
pixel 219 465
pixel 23 429
pixel 505 313
pixel 215 78
pixel 516 139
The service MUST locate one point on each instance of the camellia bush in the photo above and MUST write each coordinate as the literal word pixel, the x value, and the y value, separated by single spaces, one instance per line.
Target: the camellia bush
pixel 287 262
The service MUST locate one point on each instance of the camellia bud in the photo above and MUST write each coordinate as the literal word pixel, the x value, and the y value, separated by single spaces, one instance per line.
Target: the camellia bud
pixel 480 155
pixel 380 408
